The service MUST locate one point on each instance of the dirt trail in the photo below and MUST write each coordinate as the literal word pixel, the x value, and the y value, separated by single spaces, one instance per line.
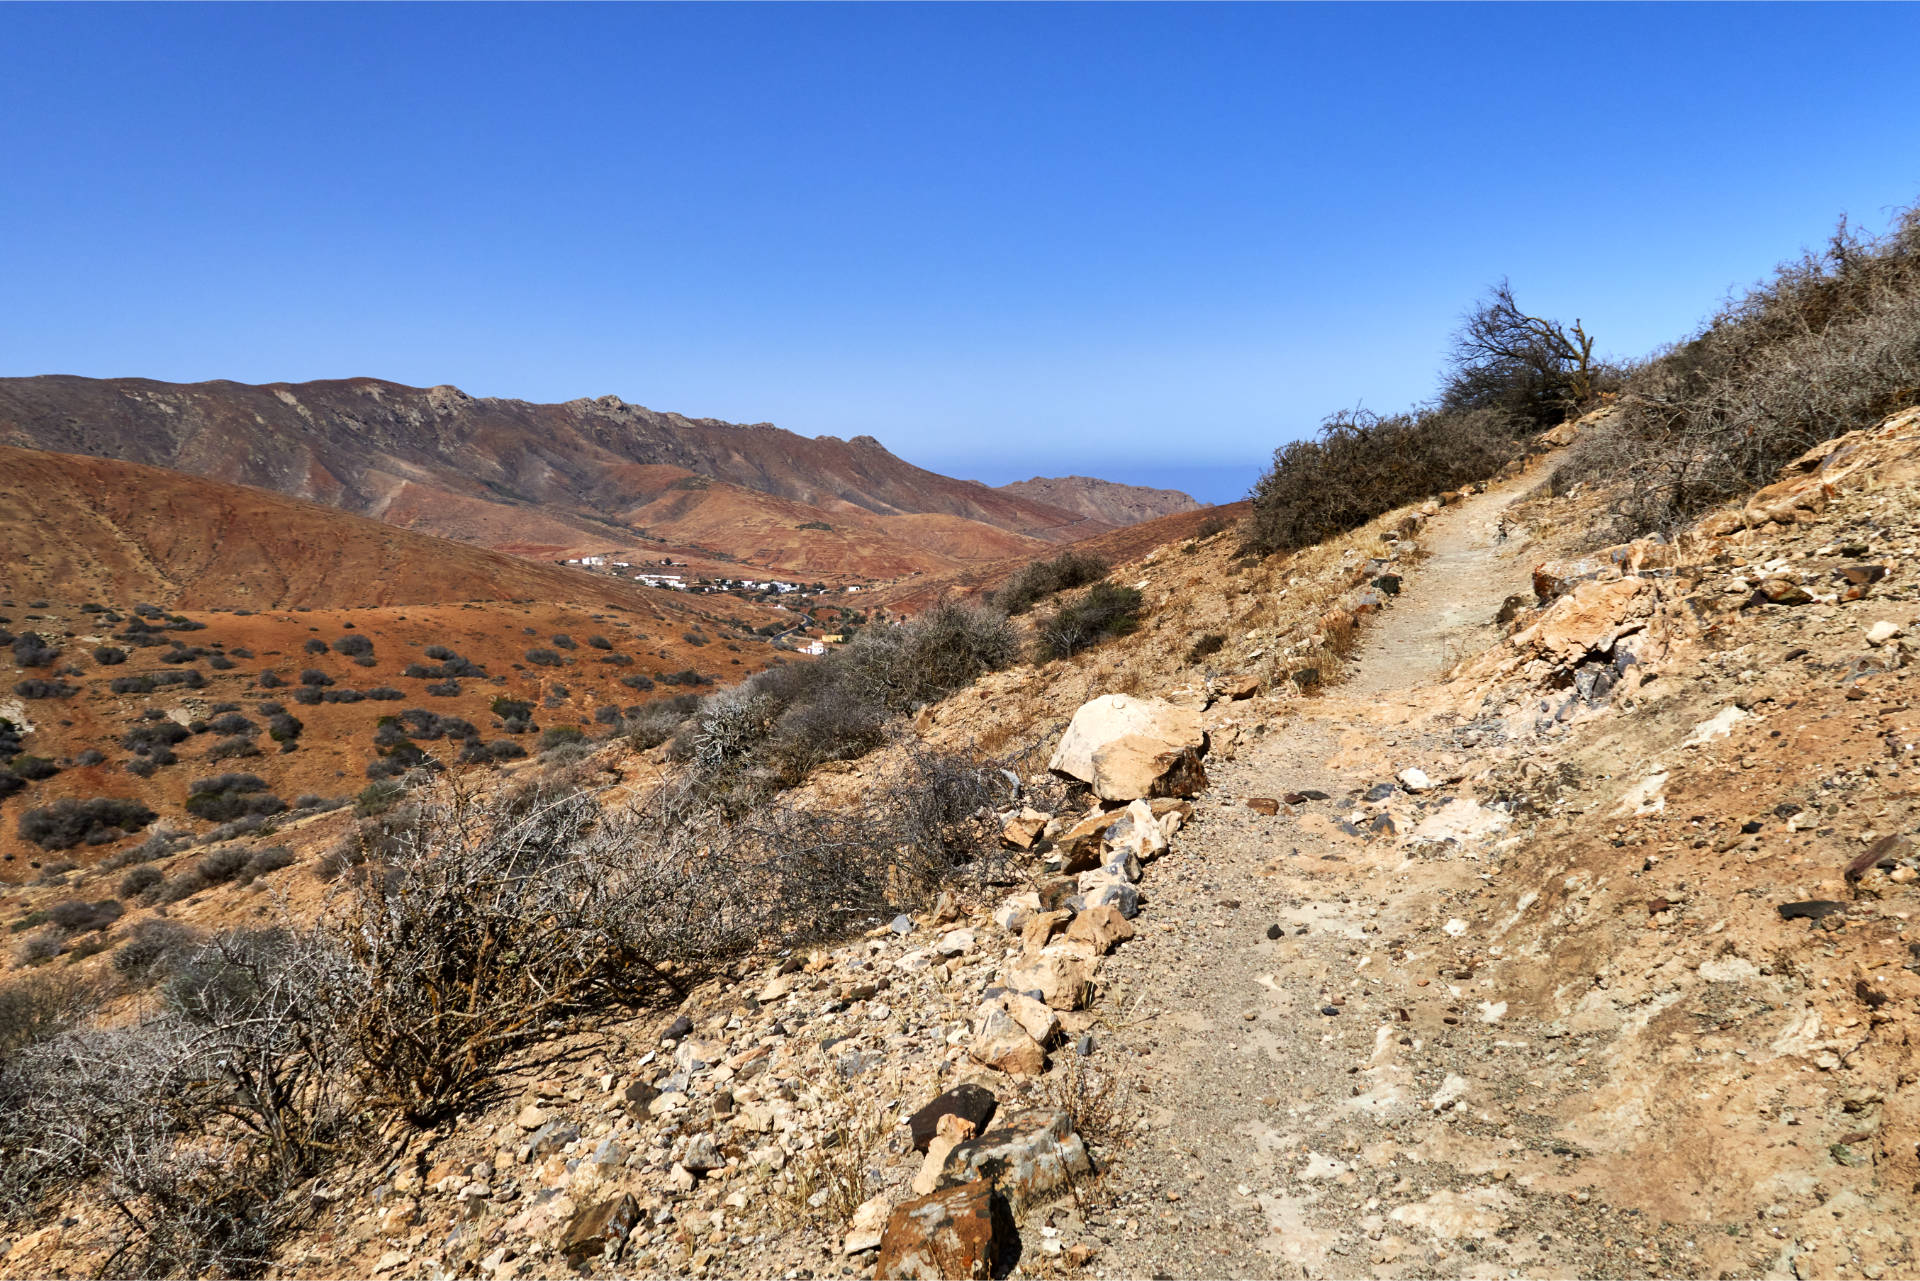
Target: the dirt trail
pixel 1346 1099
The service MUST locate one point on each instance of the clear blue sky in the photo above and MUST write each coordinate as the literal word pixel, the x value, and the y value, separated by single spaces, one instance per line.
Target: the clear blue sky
pixel 1145 242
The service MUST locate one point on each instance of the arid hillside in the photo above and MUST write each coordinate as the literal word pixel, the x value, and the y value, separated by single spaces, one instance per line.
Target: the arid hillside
pixel 510 474
pixel 1103 500
pixel 83 529
pixel 1129 542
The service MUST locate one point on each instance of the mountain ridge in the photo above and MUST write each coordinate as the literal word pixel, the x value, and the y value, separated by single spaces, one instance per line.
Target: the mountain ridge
pixel 482 469
pixel 1104 500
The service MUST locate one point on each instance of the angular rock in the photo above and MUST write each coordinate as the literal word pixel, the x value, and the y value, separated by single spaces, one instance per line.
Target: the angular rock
pixel 694 1055
pixel 1080 845
pixel 1028 1157
pixel 868 1226
pixel 1130 747
pixel 1587 620
pixel 1415 780
pixel 1120 865
pixel 1135 765
pixel 702 1155
pixel 1782 591
pixel 599 1231
pixel 954 943
pixel 969 1102
pixel 1239 687
pixel 1041 927
pixel 962 1231
pixel 1118 895
pixel 1102 927
pixel 553 1136
pixel 1003 1045
pixel 636 1097
pixel 1264 805
pixel 1883 631
pixel 1035 1019
pixel 1136 832
pixel 1014 910
pixel 1061 980
pixel 1023 829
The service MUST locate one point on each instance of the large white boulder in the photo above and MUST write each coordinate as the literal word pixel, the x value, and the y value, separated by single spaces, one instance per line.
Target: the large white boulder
pixel 1130 747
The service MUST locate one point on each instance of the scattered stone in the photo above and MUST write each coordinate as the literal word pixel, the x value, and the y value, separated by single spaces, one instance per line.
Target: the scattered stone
pixel 1002 1044
pixel 702 1155
pixel 901 924
pixel 1883 631
pixel 1414 780
pixel 1061 979
pixel 1239 687
pixel 677 1029
pixel 1103 928
pixel 1022 829
pixel 868 1226
pixel 1273 932
pixel 1265 805
pixel 1781 591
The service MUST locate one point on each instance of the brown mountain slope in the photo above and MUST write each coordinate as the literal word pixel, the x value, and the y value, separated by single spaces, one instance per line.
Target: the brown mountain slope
pixel 94 528
pixel 1103 500
pixel 494 472
pixel 1116 546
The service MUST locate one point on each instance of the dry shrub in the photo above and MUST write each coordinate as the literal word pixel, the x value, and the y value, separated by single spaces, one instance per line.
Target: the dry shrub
pixel 830 1179
pixel 1363 465
pixel 485 927
pixel 1092 1100
pixel 1829 345
pixel 197 1123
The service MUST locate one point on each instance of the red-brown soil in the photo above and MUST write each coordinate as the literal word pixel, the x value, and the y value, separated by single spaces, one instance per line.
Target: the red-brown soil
pixel 336 743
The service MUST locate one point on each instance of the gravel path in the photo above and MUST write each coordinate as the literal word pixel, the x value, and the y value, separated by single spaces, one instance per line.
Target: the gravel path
pixel 1347 1098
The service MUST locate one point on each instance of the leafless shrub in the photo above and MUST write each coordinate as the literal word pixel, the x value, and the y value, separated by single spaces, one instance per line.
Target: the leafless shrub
pixel 42 946
pixel 151 946
pixel 39 1007
pixel 196 1123
pixel 1092 1100
pixel 485 928
pixel 1830 344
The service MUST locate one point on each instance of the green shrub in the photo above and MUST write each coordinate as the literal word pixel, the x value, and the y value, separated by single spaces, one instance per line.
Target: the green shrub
pixel 1107 610
pixel 1206 646
pixel 1068 570
pixel 66 823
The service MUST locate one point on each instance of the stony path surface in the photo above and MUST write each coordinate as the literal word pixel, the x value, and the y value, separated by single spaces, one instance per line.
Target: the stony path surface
pixel 1346 1098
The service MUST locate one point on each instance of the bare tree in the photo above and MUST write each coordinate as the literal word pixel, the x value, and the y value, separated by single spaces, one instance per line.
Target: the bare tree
pixel 1504 358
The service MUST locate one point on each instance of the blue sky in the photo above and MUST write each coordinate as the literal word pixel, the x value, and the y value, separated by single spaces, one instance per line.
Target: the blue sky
pixel 1144 242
